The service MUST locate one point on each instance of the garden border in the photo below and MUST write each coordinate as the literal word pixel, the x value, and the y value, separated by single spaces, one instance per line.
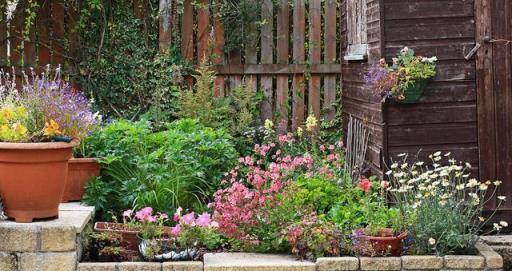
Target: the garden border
pixel 488 260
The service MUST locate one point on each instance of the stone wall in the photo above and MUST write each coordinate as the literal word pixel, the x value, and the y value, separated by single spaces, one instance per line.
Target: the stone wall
pixel 52 245
pixel 487 260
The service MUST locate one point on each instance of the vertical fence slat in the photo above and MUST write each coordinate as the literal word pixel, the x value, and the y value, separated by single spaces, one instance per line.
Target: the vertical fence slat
pixel 299 28
pixel 3 40
pixel 283 38
pixel 218 52
pixel 16 34
pixel 58 32
pixel 267 38
pixel 330 57
pixel 315 33
pixel 251 56
pixel 43 33
pixel 203 30
pixel 187 34
pixel 165 25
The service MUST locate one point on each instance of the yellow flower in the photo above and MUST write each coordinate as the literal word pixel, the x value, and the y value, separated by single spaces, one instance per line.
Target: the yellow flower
pixel 20 129
pixel 7 113
pixel 269 125
pixel 21 111
pixel 299 131
pixel 311 123
pixel 52 129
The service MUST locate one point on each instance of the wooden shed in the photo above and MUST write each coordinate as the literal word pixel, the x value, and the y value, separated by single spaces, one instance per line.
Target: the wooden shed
pixel 466 109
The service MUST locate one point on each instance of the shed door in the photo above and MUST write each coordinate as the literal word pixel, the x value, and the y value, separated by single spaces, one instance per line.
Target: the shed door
pixel 494 86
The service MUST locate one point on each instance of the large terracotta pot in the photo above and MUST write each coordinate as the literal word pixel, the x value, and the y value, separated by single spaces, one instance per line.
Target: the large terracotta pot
pixel 80 171
pixel 32 179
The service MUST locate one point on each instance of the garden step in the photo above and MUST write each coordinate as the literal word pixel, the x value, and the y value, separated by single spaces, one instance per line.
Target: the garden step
pixel 498 240
pixel 46 245
pixel 254 262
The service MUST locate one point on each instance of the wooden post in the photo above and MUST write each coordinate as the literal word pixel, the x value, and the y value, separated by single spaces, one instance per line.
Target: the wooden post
pixel 165 29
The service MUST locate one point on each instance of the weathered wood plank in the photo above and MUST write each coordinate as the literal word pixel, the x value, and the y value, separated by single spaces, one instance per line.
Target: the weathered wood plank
pixel 432 134
pixel 283 39
pixel 299 29
pixel 3 40
pixel 485 93
pixel 315 49
pixel 203 30
pixel 415 9
pixel 218 54
pixel 330 16
pixel 502 79
pixel 277 69
pixel 431 113
pixel 267 37
pixel 429 29
pixel 187 38
pixel 57 32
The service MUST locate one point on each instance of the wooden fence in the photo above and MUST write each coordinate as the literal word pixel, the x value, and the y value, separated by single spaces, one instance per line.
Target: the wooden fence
pixel 295 63
pixel 51 40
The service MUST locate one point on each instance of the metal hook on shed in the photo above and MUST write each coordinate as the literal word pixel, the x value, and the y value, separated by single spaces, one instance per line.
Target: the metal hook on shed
pixel 473 51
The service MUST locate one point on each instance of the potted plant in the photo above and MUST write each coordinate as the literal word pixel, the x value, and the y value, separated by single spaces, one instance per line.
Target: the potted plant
pixel 383 234
pixel 405 80
pixel 182 243
pixel 81 169
pixel 41 122
pixel 106 247
pixel 130 227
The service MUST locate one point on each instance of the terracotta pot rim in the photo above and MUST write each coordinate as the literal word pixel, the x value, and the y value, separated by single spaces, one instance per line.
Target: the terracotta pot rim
pixel 38 146
pixel 83 160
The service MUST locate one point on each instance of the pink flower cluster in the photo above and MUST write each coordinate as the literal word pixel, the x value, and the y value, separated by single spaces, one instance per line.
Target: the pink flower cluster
pixel 190 219
pixel 254 186
pixel 144 215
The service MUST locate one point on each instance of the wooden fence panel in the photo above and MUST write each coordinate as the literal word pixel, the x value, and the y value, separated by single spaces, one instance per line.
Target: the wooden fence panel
pixel 282 59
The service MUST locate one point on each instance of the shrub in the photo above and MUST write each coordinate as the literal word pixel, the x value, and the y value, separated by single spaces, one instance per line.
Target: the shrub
pixel 237 113
pixel 441 204
pixel 179 166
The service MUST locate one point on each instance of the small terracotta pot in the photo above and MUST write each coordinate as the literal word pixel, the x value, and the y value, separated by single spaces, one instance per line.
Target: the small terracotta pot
pixel 80 171
pixel 130 239
pixel 33 177
pixel 384 245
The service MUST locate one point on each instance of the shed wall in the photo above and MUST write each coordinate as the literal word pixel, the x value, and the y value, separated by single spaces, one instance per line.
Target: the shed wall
pixel 445 119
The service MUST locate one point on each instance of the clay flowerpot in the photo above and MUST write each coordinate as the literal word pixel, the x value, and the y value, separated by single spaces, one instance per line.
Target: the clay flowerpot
pixel 80 171
pixel 33 178
pixel 129 234
pixel 386 244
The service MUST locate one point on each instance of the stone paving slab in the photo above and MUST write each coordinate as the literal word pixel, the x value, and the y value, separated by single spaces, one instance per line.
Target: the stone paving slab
pixel 70 215
pixel 254 262
pixel 498 240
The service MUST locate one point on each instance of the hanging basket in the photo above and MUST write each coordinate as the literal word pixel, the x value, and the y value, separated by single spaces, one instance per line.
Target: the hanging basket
pixel 414 92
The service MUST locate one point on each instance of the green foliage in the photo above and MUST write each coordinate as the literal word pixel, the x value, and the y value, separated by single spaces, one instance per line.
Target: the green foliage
pixel 319 193
pixel 237 113
pixel 179 166
pixel 120 66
